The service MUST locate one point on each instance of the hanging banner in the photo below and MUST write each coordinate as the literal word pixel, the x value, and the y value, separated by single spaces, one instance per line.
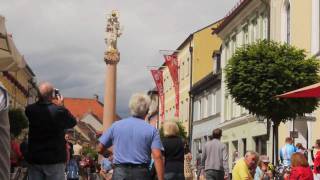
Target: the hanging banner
pixel 173 66
pixel 158 79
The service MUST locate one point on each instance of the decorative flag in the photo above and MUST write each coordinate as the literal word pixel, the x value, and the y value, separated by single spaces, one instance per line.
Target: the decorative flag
pixel 158 79
pixel 173 65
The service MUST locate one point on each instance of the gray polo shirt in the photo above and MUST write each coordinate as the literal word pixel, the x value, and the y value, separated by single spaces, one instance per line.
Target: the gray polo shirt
pixel 215 156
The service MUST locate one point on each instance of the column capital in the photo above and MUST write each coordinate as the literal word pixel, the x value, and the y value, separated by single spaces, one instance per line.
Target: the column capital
pixel 112 57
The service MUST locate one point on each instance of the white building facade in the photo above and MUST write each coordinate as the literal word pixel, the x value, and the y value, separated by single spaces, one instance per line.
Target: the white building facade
pixel 241 132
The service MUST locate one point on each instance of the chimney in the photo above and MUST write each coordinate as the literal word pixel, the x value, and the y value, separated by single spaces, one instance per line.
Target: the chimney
pixel 96 97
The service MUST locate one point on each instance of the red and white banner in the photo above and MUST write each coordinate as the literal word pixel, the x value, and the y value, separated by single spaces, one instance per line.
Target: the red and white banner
pixel 173 66
pixel 158 79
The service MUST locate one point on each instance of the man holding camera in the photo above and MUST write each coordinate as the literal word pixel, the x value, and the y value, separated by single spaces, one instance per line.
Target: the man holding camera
pixel 47 146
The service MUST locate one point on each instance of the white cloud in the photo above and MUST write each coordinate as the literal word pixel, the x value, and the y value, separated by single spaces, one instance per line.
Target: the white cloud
pixel 63 41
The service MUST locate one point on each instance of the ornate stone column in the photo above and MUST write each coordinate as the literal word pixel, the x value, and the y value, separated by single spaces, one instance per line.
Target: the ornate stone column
pixel 111 58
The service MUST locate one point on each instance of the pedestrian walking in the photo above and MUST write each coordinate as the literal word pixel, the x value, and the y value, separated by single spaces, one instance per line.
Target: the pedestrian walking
pixel 244 166
pixel 198 164
pixel 188 170
pixel 134 140
pixel 47 145
pixel 262 171
pixel 69 147
pixel 15 153
pixel 286 152
pixel 77 151
pixel 4 134
pixel 316 160
pixel 173 152
pixel 300 169
pixel 215 158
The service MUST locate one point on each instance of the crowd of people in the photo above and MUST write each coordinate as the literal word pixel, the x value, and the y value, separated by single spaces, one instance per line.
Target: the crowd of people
pixel 133 149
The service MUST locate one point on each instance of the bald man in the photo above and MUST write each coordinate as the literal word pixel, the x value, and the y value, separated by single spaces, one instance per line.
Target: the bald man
pixel 47 146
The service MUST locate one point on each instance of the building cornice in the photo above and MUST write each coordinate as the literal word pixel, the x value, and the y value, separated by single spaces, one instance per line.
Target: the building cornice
pixel 209 81
pixel 234 12
pixel 245 12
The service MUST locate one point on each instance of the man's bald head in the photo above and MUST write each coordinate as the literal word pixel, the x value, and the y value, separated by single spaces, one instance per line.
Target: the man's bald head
pixel 46 90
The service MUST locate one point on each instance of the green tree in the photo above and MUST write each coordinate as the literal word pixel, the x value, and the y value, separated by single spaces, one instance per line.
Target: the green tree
pixel 256 73
pixel 91 152
pixel 18 121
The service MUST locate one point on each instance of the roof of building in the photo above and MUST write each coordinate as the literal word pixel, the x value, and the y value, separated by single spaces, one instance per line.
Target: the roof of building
pixel 232 13
pixel 79 107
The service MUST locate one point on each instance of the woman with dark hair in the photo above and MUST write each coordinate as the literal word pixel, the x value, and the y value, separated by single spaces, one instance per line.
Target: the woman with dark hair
pixel 302 150
pixel 300 168
pixel 173 152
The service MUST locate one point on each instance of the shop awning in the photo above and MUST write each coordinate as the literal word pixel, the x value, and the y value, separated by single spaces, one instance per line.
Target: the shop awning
pixel 10 57
pixel 312 91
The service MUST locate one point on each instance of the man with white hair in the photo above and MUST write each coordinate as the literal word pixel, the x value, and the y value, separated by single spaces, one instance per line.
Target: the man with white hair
pixel 134 140
pixel 47 146
pixel 243 168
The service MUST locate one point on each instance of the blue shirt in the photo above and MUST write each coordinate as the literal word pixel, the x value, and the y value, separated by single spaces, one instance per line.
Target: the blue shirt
pixel 106 164
pixel 132 139
pixel 286 153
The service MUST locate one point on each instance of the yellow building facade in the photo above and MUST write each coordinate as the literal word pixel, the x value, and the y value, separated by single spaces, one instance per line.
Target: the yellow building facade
pixel 15 75
pixel 298 25
pixel 204 44
pixel 20 86
pixel 184 60
pixel 195 61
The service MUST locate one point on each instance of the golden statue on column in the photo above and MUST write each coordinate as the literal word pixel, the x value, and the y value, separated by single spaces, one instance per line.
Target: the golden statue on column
pixel 111 58
pixel 112 33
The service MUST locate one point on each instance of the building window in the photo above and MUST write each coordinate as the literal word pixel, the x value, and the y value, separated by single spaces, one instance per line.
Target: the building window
pixel 233 45
pixel 196 110
pixel 261 144
pixel 244 143
pixel 245 35
pixel 187 66
pixel 203 107
pixel 288 22
pixel 254 30
pixel 217 101
pixel 214 103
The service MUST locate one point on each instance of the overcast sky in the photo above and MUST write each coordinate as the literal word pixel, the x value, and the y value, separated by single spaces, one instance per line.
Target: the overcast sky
pixel 63 40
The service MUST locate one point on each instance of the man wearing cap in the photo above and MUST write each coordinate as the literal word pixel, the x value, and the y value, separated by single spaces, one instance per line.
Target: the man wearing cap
pixel 262 171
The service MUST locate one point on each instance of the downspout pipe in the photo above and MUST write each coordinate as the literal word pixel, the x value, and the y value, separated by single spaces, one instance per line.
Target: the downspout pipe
pixel 190 96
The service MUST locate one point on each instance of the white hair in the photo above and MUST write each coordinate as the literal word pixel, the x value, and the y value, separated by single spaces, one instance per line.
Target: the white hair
pixel 139 104
pixel 252 153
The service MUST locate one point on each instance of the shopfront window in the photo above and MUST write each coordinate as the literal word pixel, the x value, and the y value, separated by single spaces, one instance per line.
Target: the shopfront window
pixel 261 144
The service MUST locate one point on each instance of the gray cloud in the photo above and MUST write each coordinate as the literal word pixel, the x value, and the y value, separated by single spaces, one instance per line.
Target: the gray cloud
pixel 63 41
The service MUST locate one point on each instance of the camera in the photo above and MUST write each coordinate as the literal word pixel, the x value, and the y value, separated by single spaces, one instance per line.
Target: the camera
pixel 56 93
